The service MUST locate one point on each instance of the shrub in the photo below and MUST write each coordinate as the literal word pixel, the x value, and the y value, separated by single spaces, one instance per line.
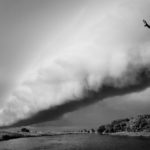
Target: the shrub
pixel 25 130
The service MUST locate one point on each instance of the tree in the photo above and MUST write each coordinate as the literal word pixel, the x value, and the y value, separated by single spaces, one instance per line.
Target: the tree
pixel 25 130
pixel 101 129
pixel 146 24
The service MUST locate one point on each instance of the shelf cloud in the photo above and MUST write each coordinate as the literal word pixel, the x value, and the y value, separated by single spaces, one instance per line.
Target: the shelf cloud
pixel 100 51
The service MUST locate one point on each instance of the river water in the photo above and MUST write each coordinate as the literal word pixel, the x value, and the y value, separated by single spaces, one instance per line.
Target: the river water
pixel 77 142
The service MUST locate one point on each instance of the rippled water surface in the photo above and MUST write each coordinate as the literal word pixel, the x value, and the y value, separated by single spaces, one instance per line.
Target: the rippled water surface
pixel 77 142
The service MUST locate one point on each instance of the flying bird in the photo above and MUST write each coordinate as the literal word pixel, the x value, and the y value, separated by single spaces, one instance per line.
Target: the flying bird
pixel 146 24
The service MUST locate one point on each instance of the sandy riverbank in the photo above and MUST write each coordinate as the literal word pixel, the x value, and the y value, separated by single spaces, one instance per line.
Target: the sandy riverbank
pixel 132 134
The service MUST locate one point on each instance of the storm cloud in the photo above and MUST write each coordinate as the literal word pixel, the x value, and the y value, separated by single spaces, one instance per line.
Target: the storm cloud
pixel 101 49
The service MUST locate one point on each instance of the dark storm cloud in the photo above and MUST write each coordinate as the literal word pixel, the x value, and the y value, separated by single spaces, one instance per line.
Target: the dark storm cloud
pixel 54 51
pixel 90 97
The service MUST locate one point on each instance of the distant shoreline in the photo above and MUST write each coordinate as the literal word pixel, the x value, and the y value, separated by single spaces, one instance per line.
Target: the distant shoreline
pixel 15 135
pixel 132 127
pixel 4 136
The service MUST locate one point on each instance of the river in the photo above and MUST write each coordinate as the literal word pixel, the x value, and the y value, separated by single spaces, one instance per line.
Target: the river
pixel 77 142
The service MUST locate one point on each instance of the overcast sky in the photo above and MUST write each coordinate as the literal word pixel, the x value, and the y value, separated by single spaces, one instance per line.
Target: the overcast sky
pixel 50 51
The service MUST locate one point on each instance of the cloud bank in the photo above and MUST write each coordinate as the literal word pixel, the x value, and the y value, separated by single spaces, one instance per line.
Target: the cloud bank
pixel 105 45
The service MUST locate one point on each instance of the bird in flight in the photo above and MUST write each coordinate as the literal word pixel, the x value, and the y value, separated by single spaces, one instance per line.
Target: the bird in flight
pixel 146 24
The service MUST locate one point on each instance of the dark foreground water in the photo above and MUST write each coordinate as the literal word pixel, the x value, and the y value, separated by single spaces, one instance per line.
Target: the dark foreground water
pixel 77 142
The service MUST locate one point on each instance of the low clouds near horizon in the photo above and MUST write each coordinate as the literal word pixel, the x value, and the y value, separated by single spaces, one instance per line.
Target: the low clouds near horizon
pixel 53 51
